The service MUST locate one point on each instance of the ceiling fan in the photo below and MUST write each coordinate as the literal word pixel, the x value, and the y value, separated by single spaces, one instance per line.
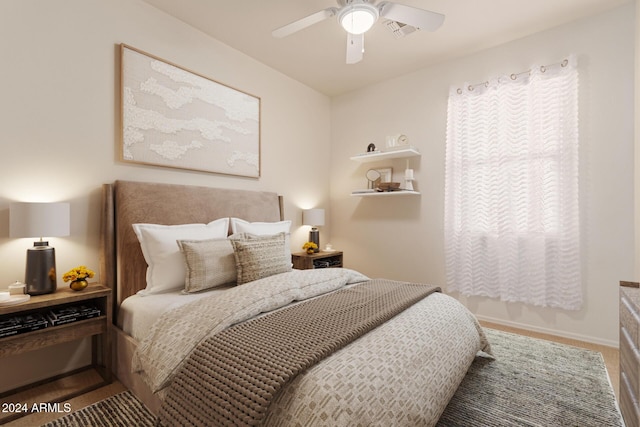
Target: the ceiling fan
pixel 358 16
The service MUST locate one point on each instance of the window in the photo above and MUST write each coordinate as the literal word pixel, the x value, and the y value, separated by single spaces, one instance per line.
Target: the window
pixel 511 188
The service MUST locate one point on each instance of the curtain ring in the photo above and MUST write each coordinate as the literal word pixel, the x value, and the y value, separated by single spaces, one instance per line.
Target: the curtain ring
pixel 543 68
pixel 459 91
pixel 486 84
pixel 513 76
pixel 564 63
pixel 470 88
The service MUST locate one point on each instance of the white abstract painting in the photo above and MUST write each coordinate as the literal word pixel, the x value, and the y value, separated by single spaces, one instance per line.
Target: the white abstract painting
pixel 175 118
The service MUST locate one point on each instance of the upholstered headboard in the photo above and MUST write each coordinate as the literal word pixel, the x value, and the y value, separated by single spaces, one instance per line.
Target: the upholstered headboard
pixel 122 265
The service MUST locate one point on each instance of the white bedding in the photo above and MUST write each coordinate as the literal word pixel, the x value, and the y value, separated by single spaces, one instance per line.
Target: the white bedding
pixel 138 313
pixel 431 344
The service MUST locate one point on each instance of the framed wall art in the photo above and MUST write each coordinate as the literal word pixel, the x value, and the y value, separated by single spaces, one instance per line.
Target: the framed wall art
pixel 176 118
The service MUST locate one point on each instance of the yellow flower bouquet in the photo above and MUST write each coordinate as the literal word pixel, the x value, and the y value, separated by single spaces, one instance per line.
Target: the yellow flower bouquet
pixel 78 277
pixel 310 247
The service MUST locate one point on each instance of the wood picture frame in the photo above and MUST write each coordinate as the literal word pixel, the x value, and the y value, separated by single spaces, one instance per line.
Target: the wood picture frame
pixel 176 118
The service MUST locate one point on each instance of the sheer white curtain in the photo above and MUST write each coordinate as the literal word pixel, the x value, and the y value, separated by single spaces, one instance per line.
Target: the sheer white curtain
pixel 512 228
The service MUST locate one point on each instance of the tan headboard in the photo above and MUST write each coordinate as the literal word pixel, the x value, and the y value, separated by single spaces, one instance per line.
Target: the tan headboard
pixel 122 266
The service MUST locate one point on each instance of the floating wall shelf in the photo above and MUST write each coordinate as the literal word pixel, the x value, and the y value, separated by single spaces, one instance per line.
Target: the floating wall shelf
pixel 385 193
pixel 385 155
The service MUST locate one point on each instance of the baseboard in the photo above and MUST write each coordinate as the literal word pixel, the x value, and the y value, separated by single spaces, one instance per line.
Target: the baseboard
pixel 555 332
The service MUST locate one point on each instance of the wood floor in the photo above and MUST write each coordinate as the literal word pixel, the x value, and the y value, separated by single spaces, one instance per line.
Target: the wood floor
pixel 609 354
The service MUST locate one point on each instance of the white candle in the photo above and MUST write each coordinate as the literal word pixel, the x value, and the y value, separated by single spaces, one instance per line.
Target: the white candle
pixel 17 288
pixel 408 174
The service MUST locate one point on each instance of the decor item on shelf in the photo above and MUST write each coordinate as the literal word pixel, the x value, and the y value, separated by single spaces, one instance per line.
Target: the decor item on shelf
pixel 388 186
pixel 371 148
pixel 391 141
pixel 396 142
pixel 310 247
pixel 408 178
pixel 314 218
pixel 373 177
pixel 377 176
pixel 39 220
pixel 78 277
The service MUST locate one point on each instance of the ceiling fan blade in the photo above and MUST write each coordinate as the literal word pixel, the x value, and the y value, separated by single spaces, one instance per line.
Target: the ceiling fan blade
pixel 305 22
pixel 355 48
pixel 419 18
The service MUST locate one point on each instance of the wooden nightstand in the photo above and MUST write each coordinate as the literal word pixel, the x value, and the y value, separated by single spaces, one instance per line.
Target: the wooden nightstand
pixel 304 261
pixel 97 327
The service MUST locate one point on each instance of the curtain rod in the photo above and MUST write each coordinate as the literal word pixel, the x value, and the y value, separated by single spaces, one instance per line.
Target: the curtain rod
pixel 514 76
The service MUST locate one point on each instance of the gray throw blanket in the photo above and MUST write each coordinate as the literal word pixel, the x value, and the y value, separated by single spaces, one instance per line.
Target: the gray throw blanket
pixel 231 378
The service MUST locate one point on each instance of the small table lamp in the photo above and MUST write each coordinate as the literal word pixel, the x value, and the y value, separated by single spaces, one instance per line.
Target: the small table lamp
pixel 39 220
pixel 314 218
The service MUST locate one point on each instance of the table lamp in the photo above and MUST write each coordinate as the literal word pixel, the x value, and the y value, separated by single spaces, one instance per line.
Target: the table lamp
pixel 39 220
pixel 314 218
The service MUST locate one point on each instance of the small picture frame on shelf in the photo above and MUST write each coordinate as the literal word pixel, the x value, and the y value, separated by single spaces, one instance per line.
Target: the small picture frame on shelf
pixel 376 176
pixel 386 174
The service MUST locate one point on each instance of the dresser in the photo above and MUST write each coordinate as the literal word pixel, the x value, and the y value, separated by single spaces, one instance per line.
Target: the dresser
pixel 630 352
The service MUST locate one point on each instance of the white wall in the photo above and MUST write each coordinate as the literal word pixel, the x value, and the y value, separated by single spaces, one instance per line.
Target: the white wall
pixel 402 237
pixel 60 126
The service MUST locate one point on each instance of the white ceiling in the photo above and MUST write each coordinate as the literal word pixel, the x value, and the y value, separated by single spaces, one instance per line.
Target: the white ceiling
pixel 315 56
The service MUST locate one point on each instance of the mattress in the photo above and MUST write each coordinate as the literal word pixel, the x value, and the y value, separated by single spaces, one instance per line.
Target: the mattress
pixel 138 313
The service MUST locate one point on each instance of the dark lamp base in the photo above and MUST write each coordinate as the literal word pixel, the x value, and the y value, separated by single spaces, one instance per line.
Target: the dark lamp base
pixel 314 236
pixel 40 272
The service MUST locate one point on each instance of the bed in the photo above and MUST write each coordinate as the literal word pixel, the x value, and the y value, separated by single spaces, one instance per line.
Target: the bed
pixel 401 369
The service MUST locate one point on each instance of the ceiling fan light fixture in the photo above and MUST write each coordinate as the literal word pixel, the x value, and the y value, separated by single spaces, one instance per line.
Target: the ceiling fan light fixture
pixel 358 18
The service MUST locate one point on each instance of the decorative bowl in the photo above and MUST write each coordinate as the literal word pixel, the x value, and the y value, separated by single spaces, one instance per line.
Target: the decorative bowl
pixel 388 186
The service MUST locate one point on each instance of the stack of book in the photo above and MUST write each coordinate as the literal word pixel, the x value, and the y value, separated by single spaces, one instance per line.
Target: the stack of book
pixel 61 315
pixel 21 324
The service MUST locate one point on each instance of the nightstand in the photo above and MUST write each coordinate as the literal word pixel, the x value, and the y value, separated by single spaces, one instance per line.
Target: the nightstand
pixel 97 327
pixel 305 261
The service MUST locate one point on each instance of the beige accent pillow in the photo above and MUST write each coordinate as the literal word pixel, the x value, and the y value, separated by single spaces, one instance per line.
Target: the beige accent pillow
pixel 240 226
pixel 259 256
pixel 209 264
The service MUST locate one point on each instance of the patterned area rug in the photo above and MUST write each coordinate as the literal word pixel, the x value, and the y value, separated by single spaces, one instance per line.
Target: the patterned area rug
pixel 534 383
pixel 120 410
pixel 531 383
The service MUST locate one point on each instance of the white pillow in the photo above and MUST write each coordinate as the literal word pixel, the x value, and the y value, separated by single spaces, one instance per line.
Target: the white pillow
pixel 264 229
pixel 259 228
pixel 165 264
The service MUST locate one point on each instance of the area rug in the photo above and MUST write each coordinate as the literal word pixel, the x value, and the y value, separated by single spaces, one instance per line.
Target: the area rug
pixel 120 410
pixel 530 383
pixel 534 382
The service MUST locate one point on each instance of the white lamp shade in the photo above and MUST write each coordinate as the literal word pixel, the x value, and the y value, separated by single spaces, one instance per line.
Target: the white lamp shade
pixel 39 219
pixel 313 217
